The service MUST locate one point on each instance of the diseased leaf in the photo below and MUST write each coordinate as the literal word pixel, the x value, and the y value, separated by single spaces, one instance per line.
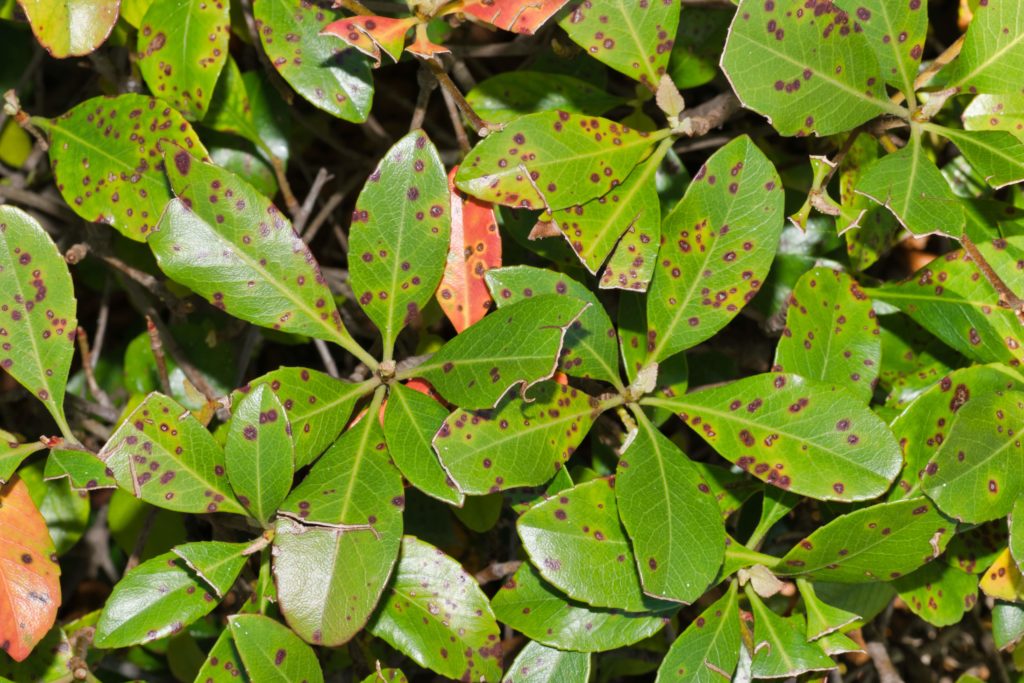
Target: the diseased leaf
pixel 223 663
pixel 240 106
pixel 804 66
pixel 912 358
pixel 541 613
pixel 631 265
pixel 12 453
pixel 896 32
pixel 938 593
pixel 271 652
pixel 512 15
pixel 877 543
pixel 589 348
pixel 516 346
pixel 37 327
pixel 867 227
pixel 332 78
pixel 71 28
pixel 371 34
pixel 258 452
pixel 85 472
pixel 386 676
pixel 215 562
pixel 995 154
pixel 400 235
pixel 802 436
pixel 435 613
pixel 831 333
pixel 107 158
pixel 672 519
pixel 49 661
pixel 975 475
pixel 505 97
pixel 163 455
pixel 411 420
pixel 717 246
pixel 521 442
pixel 1003 579
pixel 709 649
pixel 909 184
pixel 1007 624
pixel 157 599
pixel 972 550
pixel 29 573
pixel 951 299
pixel 781 649
pixel 182 48
pixel 552 160
pixel 992 57
pixel 538 663
pixel 996 112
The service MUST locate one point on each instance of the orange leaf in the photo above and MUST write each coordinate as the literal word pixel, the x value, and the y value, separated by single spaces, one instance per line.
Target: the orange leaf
pixel 518 16
pixel 370 35
pixel 29 586
pixel 475 248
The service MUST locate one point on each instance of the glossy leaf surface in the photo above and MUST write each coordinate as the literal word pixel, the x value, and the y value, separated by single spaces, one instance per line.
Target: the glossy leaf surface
pixel 780 648
pixel 223 663
pixel 215 562
pixel 709 648
pixel 12 453
pixel 992 57
pixel 538 663
pixel 896 33
pixel 73 27
pixel 938 593
pixel 271 652
pixel 258 452
pixel 995 154
pixel 512 15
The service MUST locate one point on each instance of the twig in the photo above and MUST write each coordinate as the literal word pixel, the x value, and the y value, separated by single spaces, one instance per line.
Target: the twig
pixel 158 354
pixel 935 67
pixel 140 540
pixel 481 127
pixel 290 202
pixel 354 6
pixel 1007 297
pixel 496 571
pixel 87 367
pixel 325 356
pixel 702 119
pixel 427 83
pixel 453 113
pixel 102 317
pixel 322 176
pixel 325 212
pixel 40 202
pixel 880 657
pixel 84 405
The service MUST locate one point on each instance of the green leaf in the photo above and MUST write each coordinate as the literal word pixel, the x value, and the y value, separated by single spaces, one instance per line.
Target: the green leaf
pixel 698 45
pixel 807 70
pixel 410 423
pixel 162 454
pixel 1007 624
pixel 781 649
pixel 938 593
pixel 12 453
pixel 400 234
pixel 233 110
pixel 717 246
pixel 670 515
pixel 538 663
pixel 997 155
pixel 317 406
pixel 386 676
pixel 876 543
pixel 50 661
pixel 123 137
pixel 516 346
pixel 521 442
pixel 66 512
pixel 271 652
pixel 435 613
pixel 480 513
pixel 319 67
pixel 182 47
pixel 157 599
pixel 38 326
pixel 992 57
pixel 951 299
pixel 909 184
pixel 873 228
pixel 1016 531
pixel 538 611
pixel 975 549
pixel 330 579
pixel 634 39
pixel 709 649
pixel 831 333
pixel 896 32
pixel 589 349
pixel 552 160
pixel 797 434
pixel 507 96
pixel 975 475
pixel 215 562
pixel 996 112
pixel 71 28
pixel 228 243
pixel 258 452
pixel 223 663
pixel 85 472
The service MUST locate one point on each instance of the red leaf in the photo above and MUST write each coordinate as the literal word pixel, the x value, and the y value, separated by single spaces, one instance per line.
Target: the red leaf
pixel 475 248
pixel 513 15
pixel 423 47
pixel 29 585
pixel 370 35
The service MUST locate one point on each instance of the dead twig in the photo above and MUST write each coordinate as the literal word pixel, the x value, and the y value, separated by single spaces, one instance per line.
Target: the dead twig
pixel 158 354
pixel 87 367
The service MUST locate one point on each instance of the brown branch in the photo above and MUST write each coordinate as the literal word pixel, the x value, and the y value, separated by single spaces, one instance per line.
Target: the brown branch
pixel 322 176
pixel 482 128
pixel 87 367
pixel 158 356
pixel 704 118
pixel 453 114
pixel 1007 297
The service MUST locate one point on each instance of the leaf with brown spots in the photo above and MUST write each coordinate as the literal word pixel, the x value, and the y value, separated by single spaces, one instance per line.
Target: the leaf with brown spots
pixel 912 358
pixel 182 47
pixel 1003 579
pixel 505 97
pixel 258 453
pixel 271 652
pixel 400 234
pixel 868 229
pixel 475 248
pixel 553 160
pixel 974 549
pixel 717 246
pixel 215 562
pixel 84 471
pixel 955 302
pixel 241 105
pixel 709 648
pixel 975 475
pixel 589 348
pixel 633 37
pixel 522 442
pixel 13 452
pixel 805 65
pixel 631 265
pixel 800 435
pixel 670 514
pixel 992 57
pixel 516 346
pixel 371 34
pixel 938 593
pixel 896 31
pixel 831 333
pixel 320 68
pixel 223 663
pixel 71 28
pixel 29 573
pixel 996 112
pixel 156 599
pixel 518 16
pixel 107 156
pixel 37 311
pixel 780 648
pixel 436 613
pixel 538 663
pixel 877 543
pixel 161 454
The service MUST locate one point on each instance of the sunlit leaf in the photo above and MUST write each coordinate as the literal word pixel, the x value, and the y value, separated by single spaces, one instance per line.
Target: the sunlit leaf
pixel 709 649
pixel 996 112
pixel 896 32
pixel 822 618
pixel 512 15
pixel 71 28
pixel 258 452
pixel 223 663
pixel 781 649
pixel 995 154
pixel 538 663
pixel 215 562
pixel 938 593
pixel 371 34
pixel 992 57
pixel 271 652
